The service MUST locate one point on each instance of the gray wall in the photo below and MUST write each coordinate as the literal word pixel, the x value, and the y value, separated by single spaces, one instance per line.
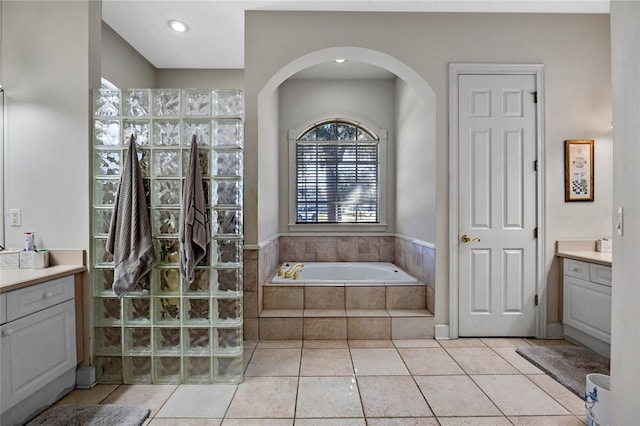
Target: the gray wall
pixel 625 333
pixel 575 50
pixel 122 65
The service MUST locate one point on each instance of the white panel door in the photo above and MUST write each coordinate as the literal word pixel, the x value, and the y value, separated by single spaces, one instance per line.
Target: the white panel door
pixel 497 205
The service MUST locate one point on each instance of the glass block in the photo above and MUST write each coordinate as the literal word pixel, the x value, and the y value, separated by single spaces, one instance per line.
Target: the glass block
pixel 197 369
pixel 109 369
pixel 200 284
pixel 228 103
pixel 166 102
pixel 167 370
pixel 166 192
pixel 166 310
pixel 196 310
pixel 166 163
pixel 227 163
pixel 203 156
pixel 100 254
pixel 226 222
pixel 227 340
pixel 143 287
pixel 227 369
pixel 138 128
pixel 227 192
pixel 103 281
pixel 167 250
pixel 137 310
pixel 101 221
pixel 228 311
pixel 166 132
pixel 197 341
pixel 228 133
pixel 144 156
pixel 168 281
pixel 226 251
pixel 136 102
pixel 106 132
pixel 108 340
pixel 200 128
pixel 196 102
pixel 227 281
pixel 137 340
pixel 167 340
pixel 137 369
pixel 106 163
pixel 165 222
pixel 106 103
pixel 105 191
pixel 107 310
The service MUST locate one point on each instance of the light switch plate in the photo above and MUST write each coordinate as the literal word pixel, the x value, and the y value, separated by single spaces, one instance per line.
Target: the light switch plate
pixel 16 217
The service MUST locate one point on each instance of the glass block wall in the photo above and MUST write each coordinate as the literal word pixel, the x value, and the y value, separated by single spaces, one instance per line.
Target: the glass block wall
pixel 168 330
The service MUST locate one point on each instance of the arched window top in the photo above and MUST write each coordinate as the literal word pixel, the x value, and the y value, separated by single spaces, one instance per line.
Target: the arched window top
pixel 337 130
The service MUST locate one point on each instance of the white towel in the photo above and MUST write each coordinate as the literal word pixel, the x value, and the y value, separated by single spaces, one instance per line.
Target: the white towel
pixel 129 232
pixel 194 232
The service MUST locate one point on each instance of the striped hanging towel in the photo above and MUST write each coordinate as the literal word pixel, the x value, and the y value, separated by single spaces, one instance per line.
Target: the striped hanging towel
pixel 129 239
pixel 194 231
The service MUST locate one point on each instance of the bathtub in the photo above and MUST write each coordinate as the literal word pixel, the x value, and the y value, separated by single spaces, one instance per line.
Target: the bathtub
pixel 345 274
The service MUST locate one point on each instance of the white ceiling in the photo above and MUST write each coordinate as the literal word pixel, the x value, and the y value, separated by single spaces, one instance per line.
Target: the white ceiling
pixel 216 27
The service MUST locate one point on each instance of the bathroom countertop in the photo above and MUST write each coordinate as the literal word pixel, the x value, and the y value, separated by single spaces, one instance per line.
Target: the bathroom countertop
pixel 582 250
pixel 62 263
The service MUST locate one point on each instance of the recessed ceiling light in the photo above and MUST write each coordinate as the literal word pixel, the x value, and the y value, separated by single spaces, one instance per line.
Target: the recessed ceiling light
pixel 340 61
pixel 178 26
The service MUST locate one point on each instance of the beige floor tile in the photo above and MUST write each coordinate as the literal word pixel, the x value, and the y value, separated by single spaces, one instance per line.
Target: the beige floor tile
pixel 263 398
pixel 416 343
pixel 330 422
pixel 334 397
pixel 417 421
pixel 549 342
pixel 363 313
pixel 201 401
pixel 370 344
pixel 151 396
pixel 411 327
pixel 326 344
pixel 274 362
pixel 368 328
pixel 461 343
pixel 250 344
pixel 325 328
pixel 257 422
pixel 184 422
pixel 282 313
pixel 564 396
pixel 474 421
pixel 392 396
pixel 429 361
pixel 279 344
pixel 481 361
pixel 325 313
pixel 378 362
pixel 365 297
pixel 87 396
pixel 283 297
pixel 504 342
pixel 324 297
pixel 519 362
pixel 326 362
pixel 280 329
pixel 516 395
pixel 546 421
pixel 406 297
pixel 455 396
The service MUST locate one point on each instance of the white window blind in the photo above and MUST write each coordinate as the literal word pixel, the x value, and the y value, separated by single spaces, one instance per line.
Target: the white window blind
pixel 337 178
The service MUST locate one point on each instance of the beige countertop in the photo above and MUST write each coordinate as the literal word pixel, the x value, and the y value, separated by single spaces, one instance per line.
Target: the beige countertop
pixel 582 250
pixel 62 263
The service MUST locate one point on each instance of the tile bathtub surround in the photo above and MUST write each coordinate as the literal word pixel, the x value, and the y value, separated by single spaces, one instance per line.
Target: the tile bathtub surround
pixel 359 382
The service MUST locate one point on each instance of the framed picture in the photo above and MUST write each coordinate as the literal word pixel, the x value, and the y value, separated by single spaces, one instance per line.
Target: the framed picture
pixel 578 170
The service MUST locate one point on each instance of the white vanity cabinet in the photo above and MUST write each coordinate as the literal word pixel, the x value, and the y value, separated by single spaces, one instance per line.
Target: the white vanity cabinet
pixel 38 347
pixel 586 307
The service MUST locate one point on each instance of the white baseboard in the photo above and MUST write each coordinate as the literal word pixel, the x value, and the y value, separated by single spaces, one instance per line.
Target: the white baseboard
pixel 441 331
pixel 555 331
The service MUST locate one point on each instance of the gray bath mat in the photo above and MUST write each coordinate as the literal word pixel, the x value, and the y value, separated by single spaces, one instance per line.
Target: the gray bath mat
pixel 92 415
pixel 568 365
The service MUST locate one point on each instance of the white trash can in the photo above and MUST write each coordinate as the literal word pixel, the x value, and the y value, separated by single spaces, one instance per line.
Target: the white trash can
pixel 597 400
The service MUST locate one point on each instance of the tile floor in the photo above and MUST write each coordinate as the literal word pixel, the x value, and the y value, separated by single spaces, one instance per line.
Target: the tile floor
pixel 364 382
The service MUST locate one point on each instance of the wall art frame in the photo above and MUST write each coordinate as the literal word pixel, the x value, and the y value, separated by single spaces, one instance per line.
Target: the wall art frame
pixel 578 170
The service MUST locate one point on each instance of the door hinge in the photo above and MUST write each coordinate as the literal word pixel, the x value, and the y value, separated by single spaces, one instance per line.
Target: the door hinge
pixel 535 232
pixel 535 166
pixel 535 97
pixel 535 300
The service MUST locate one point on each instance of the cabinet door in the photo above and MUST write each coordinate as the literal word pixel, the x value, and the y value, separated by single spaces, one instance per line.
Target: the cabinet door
pixel 35 350
pixel 587 307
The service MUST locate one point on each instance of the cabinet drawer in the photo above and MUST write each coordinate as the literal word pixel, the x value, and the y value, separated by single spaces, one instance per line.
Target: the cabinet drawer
pixel 37 297
pixel 3 308
pixel 576 268
pixel 601 274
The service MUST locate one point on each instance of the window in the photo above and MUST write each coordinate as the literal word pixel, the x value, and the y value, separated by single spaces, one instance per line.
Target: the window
pixel 337 177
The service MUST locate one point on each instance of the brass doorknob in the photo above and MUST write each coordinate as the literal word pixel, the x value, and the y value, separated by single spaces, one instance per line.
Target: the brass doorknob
pixel 469 239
